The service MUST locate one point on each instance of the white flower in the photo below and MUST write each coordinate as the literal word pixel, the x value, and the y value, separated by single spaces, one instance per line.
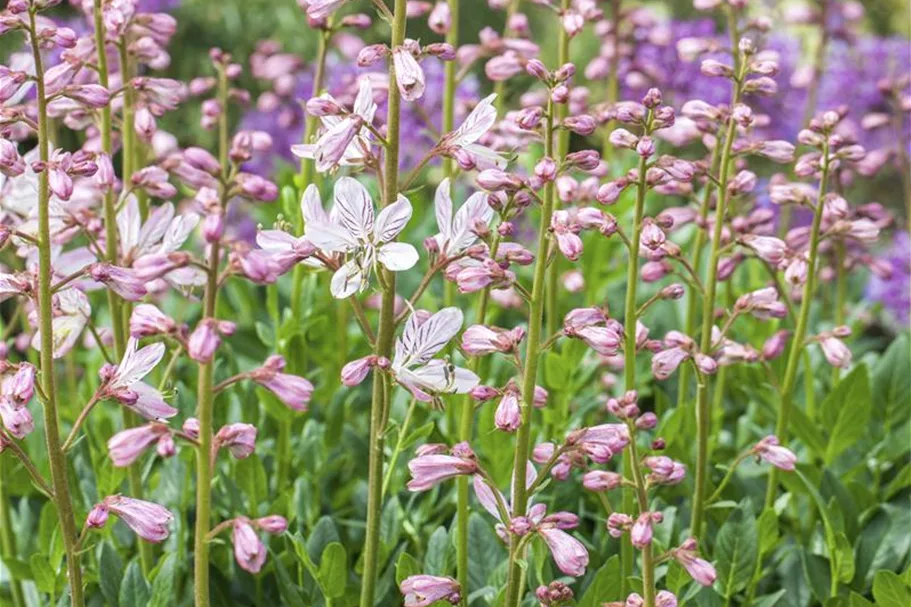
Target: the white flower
pixel 462 142
pixel 161 233
pixel 352 229
pixel 71 314
pixel 346 140
pixel 413 363
pixel 455 234
pixel 125 385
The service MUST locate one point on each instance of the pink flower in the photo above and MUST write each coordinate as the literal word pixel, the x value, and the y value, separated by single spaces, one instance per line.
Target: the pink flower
pixel 408 73
pixel 665 471
pixel 478 340
pixel 768 248
pixel 19 387
pixel 641 532
pixel 568 553
pixel 601 480
pixel 249 550
pixel 770 450
pixel 509 414
pixel 239 438
pixel 292 390
pixel 126 446
pixel 430 470
pixel 664 363
pixel 206 338
pixel 273 524
pixel 835 351
pixel 18 421
pixel 355 372
pixel 148 520
pixel 147 320
pixel 699 569
pixel 424 590
pixel 122 281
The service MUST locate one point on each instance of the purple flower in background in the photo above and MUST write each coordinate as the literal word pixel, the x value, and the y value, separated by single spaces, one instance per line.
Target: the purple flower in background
pixel 894 293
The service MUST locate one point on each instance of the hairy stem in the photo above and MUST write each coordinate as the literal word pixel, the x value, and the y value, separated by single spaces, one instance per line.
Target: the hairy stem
pixel 385 334
pixel 56 457
pixel 535 326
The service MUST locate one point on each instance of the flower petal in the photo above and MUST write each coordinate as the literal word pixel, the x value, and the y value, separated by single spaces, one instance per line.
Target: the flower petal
pixel 347 281
pixel 354 207
pixel 397 256
pixel 392 220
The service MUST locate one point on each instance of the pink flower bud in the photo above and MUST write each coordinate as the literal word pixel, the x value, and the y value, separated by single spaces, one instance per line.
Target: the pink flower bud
pixel 240 439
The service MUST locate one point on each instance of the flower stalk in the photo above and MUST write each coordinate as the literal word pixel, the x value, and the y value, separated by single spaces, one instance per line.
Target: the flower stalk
pixel 535 327
pixel 800 331
pixel 205 390
pixel 630 316
pixel 385 334
pixel 56 456
pixel 703 409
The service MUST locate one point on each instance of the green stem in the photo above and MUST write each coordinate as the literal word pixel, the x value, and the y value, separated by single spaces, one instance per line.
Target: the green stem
pixel 613 80
pixel 466 424
pixel 385 334
pixel 703 413
pixel 553 309
pixel 535 321
pixel 800 331
pixel 819 62
pixel 499 87
pixel 692 300
pixel 119 319
pixel 306 170
pixel 403 434
pixel 627 556
pixel 206 392
pixel 56 457
pixel 450 84
pixel 648 564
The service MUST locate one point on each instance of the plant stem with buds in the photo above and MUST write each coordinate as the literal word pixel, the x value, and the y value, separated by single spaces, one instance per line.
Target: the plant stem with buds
pixel 385 334
pixel 703 413
pixel 514 589
pixel 629 352
pixel 800 331
pixel 56 457
pixel 205 389
pixel 450 83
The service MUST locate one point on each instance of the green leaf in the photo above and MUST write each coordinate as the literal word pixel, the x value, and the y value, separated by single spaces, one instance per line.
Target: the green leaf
pixel 112 565
pixel 844 558
pixel 891 380
pixel 134 591
pixel 290 593
pixel 164 583
pixel 440 558
pixel 605 584
pixel 768 531
pixel 323 534
pixel 736 551
pixel 846 410
pixel 890 591
pixel 44 576
pixel 855 600
pixel 405 567
pixel 770 600
pixel 333 570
